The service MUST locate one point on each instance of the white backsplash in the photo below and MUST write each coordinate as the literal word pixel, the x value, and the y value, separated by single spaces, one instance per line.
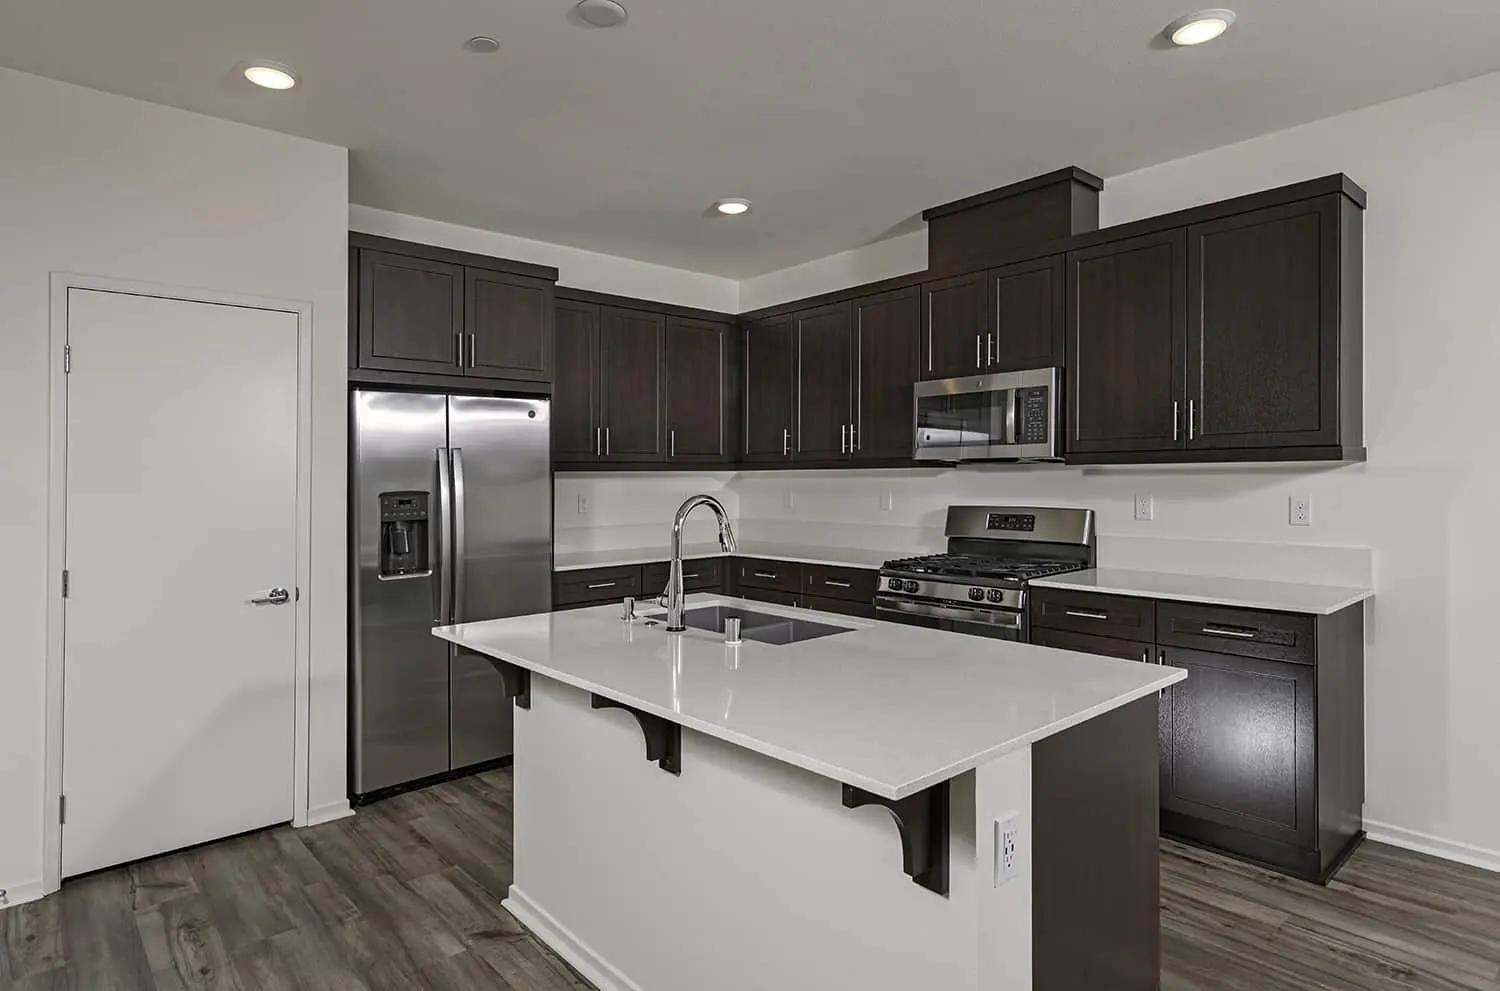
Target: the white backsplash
pixel 629 510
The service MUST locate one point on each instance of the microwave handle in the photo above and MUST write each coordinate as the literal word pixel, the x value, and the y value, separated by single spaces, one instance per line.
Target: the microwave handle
pixel 1011 400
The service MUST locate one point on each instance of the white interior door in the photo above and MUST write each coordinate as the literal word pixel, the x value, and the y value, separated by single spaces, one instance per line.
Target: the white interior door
pixel 179 692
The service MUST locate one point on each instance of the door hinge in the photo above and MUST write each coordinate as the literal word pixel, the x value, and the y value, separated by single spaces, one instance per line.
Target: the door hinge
pixel 62 809
pixel 67 358
pixel 65 583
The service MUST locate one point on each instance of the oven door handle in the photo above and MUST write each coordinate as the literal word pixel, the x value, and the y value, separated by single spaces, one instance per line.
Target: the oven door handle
pixel 1000 619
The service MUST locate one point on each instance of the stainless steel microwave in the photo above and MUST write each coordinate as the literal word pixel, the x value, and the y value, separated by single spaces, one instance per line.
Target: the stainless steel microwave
pixel 1009 416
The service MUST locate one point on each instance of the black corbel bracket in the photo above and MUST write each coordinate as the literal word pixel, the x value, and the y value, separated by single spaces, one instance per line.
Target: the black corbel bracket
pixel 663 737
pixel 922 820
pixel 517 680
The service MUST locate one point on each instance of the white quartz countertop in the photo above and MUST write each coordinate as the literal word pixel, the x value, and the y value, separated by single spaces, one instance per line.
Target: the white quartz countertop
pixel 888 708
pixel 1316 600
pixel 840 557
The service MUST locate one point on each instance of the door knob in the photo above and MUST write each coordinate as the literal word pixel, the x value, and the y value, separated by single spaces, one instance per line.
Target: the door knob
pixel 275 597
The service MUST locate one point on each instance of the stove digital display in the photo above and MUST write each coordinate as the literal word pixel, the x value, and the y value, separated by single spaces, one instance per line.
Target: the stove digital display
pixel 1024 522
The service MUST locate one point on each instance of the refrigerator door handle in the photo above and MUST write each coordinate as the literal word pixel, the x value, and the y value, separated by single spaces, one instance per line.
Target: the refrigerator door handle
pixel 444 539
pixel 460 541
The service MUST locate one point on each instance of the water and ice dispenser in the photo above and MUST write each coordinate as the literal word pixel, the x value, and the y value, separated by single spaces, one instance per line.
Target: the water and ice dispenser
pixel 404 522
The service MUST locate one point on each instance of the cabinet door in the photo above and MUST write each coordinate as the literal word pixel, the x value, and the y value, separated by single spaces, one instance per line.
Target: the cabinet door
pixel 697 386
pixel 1083 643
pixel 630 393
pixel 1239 744
pixel 411 313
pixel 509 322
pixel 1027 302
pixel 577 434
pixel 955 319
pixel 825 383
pixel 1127 319
pixel 886 340
pixel 1263 341
pixel 769 389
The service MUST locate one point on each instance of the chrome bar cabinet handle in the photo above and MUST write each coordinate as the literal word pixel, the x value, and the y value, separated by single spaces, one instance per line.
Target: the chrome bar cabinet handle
pixel 1086 614
pixel 1222 631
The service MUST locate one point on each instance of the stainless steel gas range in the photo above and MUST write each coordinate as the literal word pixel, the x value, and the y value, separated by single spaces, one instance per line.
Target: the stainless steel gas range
pixel 980 585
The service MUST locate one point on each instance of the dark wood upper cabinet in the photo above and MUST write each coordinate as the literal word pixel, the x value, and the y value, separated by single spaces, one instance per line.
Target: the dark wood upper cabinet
pixel 887 336
pixel 411 313
pixel 1241 744
pixel 630 391
pixel 825 382
pixel 509 322
pixel 1126 345
pixel 1028 304
pixel 955 319
pixel 699 415
pixel 1264 339
pixel 575 401
pixel 770 388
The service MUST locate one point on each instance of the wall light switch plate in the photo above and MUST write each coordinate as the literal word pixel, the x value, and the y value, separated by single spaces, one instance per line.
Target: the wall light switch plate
pixel 1299 511
pixel 886 501
pixel 585 505
pixel 1007 842
pixel 1145 508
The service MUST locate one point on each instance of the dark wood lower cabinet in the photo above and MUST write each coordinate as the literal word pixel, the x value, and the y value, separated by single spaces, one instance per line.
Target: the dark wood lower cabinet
pixel 1262 747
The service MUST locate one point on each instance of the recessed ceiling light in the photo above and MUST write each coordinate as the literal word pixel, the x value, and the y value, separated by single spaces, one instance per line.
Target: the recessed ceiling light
pixel 1195 29
pixel 271 75
pixel 600 13
pixel 732 207
pixel 482 45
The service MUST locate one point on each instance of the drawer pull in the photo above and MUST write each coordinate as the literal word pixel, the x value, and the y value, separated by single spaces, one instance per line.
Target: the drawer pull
pixel 1224 631
pixel 830 581
pixel 1146 656
pixel 765 574
pixel 1086 614
pixel 602 585
pixel 693 575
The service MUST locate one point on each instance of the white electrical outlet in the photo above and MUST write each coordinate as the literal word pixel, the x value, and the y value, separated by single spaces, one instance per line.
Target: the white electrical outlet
pixel 1299 511
pixel 1145 507
pixel 790 499
pixel 885 500
pixel 1007 840
pixel 585 505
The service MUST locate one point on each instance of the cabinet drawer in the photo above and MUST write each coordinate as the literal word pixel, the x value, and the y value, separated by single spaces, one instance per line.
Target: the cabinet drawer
pixel 781 576
pixel 1118 616
pixel 595 585
pixel 771 595
pixel 706 575
pixel 826 581
pixel 843 607
pixel 1243 632
pixel 1084 643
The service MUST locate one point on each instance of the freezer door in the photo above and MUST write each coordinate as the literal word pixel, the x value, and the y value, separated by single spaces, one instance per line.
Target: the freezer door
pixel 502 550
pixel 399 726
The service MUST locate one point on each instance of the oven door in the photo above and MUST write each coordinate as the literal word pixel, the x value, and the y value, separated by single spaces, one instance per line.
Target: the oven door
pixel 998 624
pixel 1008 416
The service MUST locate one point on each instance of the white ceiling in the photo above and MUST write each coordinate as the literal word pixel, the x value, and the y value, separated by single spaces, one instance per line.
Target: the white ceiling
pixel 840 119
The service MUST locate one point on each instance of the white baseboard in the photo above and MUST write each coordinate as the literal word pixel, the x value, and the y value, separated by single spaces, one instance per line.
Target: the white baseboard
pixel 597 970
pixel 328 813
pixel 1410 839
pixel 20 894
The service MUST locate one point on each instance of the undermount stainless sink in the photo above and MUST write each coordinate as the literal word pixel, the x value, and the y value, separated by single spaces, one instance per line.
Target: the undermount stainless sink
pixel 758 626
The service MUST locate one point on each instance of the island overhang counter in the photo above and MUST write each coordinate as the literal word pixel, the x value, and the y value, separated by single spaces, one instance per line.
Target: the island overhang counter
pixel 691 814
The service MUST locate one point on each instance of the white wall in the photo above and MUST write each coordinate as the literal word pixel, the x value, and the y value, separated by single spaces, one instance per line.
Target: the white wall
pixel 871 263
pixel 1426 500
pixel 633 510
pixel 576 268
pixel 101 185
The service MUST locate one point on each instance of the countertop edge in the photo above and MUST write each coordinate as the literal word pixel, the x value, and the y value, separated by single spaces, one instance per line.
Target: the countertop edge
pixel 1347 596
pixel 628 558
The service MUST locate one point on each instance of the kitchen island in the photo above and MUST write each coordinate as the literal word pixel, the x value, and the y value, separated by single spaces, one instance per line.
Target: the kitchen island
pixel 692 814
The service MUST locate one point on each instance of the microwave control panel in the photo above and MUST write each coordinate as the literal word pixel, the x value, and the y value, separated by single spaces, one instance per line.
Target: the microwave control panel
pixel 1033 410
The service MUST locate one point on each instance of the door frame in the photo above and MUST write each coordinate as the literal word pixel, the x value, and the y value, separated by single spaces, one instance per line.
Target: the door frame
pixel 57 505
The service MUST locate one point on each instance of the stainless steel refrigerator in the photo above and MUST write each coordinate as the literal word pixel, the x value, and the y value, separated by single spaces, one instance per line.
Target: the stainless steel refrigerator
pixel 451 522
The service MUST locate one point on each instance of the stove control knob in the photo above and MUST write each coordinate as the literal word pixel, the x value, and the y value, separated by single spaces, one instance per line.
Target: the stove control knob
pixel 996 595
pixel 910 586
pixel 976 594
pixel 894 584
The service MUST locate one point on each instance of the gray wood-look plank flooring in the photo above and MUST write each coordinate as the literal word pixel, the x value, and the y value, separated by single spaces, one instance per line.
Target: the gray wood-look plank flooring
pixel 407 895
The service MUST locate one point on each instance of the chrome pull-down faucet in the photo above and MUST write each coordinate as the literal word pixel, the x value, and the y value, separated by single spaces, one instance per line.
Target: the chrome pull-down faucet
pixel 671 597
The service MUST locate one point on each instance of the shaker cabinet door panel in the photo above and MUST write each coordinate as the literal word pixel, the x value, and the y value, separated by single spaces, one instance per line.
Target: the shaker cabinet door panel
pixel 1264 336
pixel 576 428
pixel 825 378
pixel 630 394
pixel 697 390
pixel 509 320
pixel 1028 304
pixel 886 338
pixel 1127 317
pixel 769 389
pixel 410 314
pixel 955 320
